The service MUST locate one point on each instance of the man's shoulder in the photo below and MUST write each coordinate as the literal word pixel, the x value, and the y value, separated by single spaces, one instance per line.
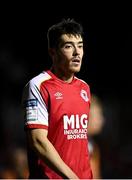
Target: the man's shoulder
pixel 81 81
pixel 40 78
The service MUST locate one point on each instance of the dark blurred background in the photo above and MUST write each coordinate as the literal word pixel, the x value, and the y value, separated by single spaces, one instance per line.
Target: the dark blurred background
pixel 106 68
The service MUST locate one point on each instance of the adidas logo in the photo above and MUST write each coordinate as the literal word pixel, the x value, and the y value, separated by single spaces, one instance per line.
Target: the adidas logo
pixel 58 95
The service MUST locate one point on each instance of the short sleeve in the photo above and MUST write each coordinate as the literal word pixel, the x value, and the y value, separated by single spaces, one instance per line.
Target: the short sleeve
pixel 34 107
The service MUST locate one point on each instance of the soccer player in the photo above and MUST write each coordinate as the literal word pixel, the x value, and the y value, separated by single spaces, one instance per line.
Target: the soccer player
pixel 56 106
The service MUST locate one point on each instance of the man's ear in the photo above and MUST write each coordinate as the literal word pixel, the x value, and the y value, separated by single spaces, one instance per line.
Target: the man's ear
pixel 51 52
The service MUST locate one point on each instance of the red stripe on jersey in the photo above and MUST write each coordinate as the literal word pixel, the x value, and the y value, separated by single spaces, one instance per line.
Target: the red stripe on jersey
pixel 37 126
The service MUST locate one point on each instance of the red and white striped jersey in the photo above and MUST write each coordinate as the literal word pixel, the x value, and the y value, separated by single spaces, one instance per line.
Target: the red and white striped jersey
pixel 63 109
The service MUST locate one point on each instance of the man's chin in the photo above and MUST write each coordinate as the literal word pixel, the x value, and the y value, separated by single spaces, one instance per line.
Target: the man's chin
pixel 75 70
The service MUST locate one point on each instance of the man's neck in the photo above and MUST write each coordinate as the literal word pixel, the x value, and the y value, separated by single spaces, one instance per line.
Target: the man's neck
pixel 62 75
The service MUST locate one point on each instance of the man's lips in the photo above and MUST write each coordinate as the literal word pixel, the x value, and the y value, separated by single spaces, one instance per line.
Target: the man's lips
pixel 76 60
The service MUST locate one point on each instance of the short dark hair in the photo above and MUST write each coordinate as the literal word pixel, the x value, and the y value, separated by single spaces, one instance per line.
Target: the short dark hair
pixel 66 26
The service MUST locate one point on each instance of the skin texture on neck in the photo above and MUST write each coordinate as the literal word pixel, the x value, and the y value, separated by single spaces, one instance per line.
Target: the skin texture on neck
pixel 60 74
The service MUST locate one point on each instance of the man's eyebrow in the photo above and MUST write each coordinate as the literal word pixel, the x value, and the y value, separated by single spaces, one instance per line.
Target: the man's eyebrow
pixel 71 42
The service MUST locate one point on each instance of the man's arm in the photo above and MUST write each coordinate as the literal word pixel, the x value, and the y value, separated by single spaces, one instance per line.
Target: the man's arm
pixel 43 147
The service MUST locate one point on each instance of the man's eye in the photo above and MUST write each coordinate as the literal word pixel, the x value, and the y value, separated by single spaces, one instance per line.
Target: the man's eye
pixel 68 46
pixel 80 46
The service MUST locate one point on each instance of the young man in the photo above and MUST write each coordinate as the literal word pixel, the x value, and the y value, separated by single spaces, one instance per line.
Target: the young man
pixel 56 105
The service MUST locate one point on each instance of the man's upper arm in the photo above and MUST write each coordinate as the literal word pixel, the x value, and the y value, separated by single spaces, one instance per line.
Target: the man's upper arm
pixel 35 136
pixel 34 106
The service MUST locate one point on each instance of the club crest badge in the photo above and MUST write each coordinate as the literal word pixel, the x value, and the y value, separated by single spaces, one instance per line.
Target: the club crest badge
pixel 84 95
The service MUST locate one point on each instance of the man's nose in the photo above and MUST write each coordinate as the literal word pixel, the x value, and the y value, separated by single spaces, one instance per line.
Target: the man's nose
pixel 76 51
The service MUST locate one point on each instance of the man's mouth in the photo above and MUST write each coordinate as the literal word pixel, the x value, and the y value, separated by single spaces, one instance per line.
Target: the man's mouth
pixel 75 60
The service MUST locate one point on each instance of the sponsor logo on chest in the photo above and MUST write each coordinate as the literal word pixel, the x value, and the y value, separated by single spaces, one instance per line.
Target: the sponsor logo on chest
pixel 75 126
